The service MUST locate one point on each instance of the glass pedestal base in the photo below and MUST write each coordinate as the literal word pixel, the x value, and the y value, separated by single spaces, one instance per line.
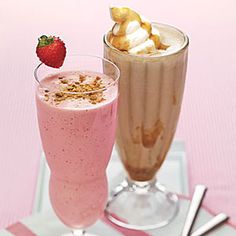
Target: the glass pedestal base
pixel 141 205
pixel 79 233
pixel 85 234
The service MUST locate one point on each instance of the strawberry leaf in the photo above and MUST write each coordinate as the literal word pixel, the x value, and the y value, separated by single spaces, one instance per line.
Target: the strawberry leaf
pixel 45 40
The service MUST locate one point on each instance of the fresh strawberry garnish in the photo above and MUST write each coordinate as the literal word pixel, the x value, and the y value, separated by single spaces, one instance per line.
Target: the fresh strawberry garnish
pixel 51 51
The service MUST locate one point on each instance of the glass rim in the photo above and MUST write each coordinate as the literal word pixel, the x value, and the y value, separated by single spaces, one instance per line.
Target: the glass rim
pixel 81 55
pixel 153 56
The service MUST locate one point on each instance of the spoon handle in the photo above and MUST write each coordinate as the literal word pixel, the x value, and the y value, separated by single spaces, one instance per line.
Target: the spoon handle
pixel 195 204
pixel 211 224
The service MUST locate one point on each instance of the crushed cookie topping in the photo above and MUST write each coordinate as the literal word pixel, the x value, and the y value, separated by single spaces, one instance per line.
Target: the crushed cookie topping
pixel 82 88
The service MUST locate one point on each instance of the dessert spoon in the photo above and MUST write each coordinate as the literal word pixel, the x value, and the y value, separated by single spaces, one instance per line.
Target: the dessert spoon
pixel 211 224
pixel 195 204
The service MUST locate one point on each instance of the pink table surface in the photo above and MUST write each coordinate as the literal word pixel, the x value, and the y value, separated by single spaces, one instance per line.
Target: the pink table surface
pixel 207 122
pixel 34 227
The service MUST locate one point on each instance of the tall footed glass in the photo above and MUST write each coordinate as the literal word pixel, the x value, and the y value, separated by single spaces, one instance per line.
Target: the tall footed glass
pixel 151 92
pixel 76 107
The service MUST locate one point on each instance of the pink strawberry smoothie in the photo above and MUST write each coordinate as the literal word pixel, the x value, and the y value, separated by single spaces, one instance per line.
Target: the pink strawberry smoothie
pixel 77 136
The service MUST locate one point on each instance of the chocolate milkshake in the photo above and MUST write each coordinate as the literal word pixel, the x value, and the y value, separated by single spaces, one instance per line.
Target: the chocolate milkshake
pixel 152 59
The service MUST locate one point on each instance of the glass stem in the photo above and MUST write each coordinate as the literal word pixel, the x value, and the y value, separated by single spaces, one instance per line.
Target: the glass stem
pixel 78 232
pixel 141 184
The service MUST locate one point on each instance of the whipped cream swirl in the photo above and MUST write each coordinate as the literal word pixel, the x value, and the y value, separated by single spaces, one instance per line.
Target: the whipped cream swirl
pixel 133 33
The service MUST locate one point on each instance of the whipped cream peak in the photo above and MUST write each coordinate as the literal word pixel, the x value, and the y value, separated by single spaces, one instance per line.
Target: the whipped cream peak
pixel 133 33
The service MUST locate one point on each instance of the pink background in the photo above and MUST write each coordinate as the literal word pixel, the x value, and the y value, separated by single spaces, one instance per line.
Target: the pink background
pixel 207 123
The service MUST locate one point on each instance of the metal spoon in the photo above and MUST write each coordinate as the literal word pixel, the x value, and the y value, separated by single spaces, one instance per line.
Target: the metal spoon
pixel 211 224
pixel 195 204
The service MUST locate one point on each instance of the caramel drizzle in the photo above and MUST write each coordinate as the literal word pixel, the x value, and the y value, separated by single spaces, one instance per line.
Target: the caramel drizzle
pixel 123 16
